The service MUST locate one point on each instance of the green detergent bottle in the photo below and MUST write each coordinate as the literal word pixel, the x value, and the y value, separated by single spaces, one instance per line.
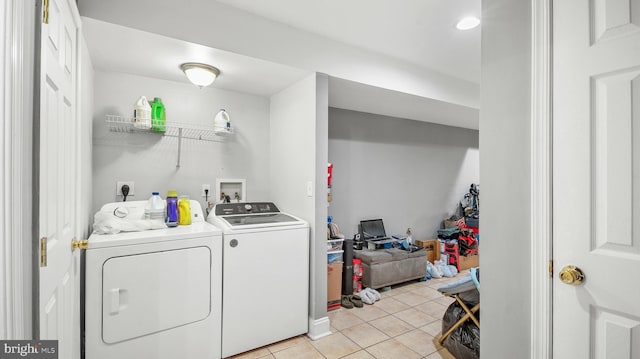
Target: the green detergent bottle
pixel 158 116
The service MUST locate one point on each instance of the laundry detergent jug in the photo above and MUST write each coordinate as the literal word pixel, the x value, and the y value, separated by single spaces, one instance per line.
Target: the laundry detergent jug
pixel 222 123
pixel 184 210
pixel 158 115
pixel 142 114
pixel 172 218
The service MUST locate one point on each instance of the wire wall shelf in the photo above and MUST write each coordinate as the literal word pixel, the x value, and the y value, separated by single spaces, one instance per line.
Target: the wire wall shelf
pixel 172 129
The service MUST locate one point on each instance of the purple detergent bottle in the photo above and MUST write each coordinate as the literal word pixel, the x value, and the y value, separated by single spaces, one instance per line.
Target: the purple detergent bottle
pixel 172 208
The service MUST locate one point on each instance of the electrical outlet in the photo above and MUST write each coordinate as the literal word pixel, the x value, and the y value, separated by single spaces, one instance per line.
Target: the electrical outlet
pixel 207 187
pixel 119 185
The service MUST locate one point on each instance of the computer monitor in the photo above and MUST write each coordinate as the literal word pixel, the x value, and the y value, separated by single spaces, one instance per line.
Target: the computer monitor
pixel 373 228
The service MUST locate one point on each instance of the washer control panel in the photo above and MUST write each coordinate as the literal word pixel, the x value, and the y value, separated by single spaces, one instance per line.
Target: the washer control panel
pixel 227 209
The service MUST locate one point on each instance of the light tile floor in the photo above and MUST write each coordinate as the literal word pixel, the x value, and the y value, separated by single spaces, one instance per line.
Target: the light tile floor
pixel 405 323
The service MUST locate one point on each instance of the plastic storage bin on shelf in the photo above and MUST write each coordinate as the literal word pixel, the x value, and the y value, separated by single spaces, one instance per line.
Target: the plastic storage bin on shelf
pixel 334 250
pixel 334 272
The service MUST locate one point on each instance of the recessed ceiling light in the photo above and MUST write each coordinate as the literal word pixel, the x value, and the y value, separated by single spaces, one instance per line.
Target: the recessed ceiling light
pixel 468 23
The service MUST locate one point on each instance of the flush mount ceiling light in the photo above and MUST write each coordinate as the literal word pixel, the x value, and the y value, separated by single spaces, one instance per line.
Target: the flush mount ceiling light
pixel 200 75
pixel 468 23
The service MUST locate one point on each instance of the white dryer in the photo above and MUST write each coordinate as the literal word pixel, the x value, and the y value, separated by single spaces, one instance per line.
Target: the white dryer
pixel 265 295
pixel 154 294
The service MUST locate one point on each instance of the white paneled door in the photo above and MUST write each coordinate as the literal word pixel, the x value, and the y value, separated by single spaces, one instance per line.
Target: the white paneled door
pixel 59 277
pixel 596 178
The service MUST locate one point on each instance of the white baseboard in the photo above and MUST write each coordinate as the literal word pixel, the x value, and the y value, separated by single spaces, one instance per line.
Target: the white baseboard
pixel 319 328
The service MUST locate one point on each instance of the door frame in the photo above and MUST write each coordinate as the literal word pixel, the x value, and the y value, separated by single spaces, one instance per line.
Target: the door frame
pixel 16 106
pixel 541 264
pixel 15 296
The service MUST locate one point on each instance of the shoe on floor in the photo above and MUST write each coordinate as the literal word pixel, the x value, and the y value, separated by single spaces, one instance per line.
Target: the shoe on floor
pixel 346 302
pixel 356 300
pixel 369 295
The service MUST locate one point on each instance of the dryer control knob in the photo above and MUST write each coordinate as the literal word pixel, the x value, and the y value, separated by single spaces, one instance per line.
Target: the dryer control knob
pixel 248 207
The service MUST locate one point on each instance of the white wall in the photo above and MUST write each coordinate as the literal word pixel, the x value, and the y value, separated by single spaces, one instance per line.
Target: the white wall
pixel 298 156
pixel 356 96
pixel 411 174
pixel 505 172
pixel 319 251
pixel 150 159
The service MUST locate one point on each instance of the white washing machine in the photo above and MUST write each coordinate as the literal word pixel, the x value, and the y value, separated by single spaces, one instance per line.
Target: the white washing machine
pixel 156 293
pixel 265 286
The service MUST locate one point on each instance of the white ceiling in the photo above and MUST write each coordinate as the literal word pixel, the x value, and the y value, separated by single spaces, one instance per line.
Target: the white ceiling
pixel 421 32
pixel 404 61
pixel 117 48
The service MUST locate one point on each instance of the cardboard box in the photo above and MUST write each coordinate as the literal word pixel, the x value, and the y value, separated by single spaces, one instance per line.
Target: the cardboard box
pixel 334 285
pixel 432 246
pixel 421 242
pixel 468 262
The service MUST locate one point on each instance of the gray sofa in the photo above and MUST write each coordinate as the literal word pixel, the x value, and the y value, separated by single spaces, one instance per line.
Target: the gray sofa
pixel 384 267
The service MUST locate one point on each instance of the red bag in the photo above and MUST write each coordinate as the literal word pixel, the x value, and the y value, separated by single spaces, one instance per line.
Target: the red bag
pixel 452 250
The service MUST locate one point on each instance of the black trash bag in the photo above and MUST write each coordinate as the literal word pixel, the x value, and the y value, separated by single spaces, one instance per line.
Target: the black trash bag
pixel 464 342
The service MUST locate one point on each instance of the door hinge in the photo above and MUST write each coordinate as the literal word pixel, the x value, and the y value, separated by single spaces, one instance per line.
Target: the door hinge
pixel 43 252
pixel 45 11
pixel 551 268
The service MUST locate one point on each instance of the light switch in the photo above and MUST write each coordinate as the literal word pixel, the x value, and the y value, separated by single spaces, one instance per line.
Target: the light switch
pixel 309 189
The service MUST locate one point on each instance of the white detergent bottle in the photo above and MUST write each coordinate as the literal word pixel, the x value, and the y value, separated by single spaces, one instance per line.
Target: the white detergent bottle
pixel 222 123
pixel 142 114
pixel 155 207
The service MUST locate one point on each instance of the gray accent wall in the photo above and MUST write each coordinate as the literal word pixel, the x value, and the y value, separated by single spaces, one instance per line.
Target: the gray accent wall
pixel 150 159
pixel 409 173
pixel 505 131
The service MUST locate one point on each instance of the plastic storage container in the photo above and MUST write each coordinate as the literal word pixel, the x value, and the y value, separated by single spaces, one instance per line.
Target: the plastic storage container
pixel 184 210
pixel 158 116
pixel 155 207
pixel 357 284
pixel 142 114
pixel 172 208
pixel 357 275
pixel 357 267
